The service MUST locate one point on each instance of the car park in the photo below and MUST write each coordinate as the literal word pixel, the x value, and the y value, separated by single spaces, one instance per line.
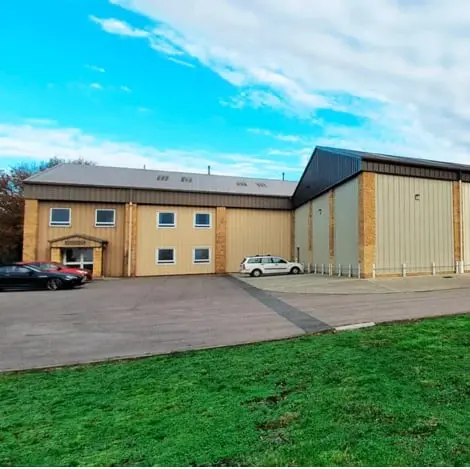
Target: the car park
pixel 258 265
pixel 25 277
pixel 58 267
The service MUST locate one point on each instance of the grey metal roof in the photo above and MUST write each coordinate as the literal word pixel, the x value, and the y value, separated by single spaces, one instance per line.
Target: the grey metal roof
pixel 106 176
pixel 403 160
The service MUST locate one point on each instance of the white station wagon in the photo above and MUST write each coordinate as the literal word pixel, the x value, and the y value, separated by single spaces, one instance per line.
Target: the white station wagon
pixel 259 265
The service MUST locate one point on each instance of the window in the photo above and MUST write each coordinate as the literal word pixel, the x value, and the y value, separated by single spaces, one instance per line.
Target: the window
pixel 60 217
pixel 242 183
pixel 267 260
pixel 202 220
pixel 162 177
pixel 261 184
pixel 166 219
pixel 105 217
pixel 254 260
pixel 165 256
pixel 186 179
pixel 279 260
pixel 202 256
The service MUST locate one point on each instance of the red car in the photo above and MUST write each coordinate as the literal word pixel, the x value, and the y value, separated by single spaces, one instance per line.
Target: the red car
pixel 49 266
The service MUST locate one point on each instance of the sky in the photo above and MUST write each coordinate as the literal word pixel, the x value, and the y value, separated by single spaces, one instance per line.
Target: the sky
pixel 249 87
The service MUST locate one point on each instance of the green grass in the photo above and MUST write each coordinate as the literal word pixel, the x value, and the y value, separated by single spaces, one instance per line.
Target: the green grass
pixel 391 395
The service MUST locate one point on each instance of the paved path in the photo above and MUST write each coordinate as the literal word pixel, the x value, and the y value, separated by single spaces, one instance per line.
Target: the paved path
pixel 310 283
pixel 124 318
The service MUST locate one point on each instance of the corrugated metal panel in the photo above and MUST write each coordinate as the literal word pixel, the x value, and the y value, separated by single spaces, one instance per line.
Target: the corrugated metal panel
pixel 414 224
pixel 411 171
pixel 346 204
pixel 183 239
pixel 466 222
pixel 251 232
pixel 100 194
pixel 325 169
pixel 321 230
pixel 301 247
pixel 83 222
pixel 105 176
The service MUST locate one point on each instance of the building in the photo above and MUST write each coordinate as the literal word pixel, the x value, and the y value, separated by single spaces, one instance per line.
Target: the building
pixel 351 213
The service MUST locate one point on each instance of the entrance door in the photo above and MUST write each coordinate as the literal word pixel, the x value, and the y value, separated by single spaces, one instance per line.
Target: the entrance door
pixel 81 258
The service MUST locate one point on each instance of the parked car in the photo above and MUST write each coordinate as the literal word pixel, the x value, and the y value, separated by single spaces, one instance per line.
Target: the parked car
pixel 259 265
pixel 57 267
pixel 14 276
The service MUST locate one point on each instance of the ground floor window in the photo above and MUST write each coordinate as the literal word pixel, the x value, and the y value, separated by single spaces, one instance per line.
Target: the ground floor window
pixel 165 256
pixel 81 258
pixel 201 255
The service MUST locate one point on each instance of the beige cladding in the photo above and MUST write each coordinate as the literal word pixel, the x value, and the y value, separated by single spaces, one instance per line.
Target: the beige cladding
pixel 414 224
pixel 321 230
pixel 251 232
pixel 183 239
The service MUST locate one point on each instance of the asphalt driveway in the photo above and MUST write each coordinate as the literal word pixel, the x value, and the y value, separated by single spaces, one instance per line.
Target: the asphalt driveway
pixel 138 317
pixel 122 318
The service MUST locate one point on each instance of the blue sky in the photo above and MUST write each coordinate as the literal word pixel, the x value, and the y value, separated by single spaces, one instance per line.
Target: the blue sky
pixel 247 87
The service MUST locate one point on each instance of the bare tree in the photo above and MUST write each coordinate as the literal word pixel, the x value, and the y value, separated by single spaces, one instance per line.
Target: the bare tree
pixel 12 204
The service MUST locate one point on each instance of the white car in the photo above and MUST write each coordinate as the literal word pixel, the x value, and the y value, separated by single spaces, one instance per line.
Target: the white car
pixel 258 265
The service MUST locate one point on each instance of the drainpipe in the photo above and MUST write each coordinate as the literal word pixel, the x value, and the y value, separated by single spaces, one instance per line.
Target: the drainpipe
pixel 129 239
pixel 462 264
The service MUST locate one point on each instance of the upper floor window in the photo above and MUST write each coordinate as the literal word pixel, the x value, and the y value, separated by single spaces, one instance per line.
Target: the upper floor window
pixel 202 220
pixel 60 217
pixel 166 219
pixel 105 217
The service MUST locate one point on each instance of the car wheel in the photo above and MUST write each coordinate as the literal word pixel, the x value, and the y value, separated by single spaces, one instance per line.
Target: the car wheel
pixel 53 284
pixel 256 273
pixel 295 270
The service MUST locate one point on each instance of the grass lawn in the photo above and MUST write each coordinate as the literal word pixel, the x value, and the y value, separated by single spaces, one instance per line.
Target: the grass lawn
pixel 391 395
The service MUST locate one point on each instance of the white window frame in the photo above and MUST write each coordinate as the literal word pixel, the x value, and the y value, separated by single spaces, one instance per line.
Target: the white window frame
pixel 166 226
pixel 105 225
pixel 161 248
pixel 203 226
pixel 60 225
pixel 209 260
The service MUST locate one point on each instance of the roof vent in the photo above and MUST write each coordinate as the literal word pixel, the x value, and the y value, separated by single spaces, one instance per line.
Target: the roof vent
pixel 241 183
pixel 261 184
pixel 186 179
pixel 162 177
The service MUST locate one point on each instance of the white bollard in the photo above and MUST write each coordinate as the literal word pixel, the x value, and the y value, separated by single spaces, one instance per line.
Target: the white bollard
pixel 433 268
pixel 403 269
pixel 339 270
pixel 323 269
pixel 373 270
pixel 350 271
pixel 315 269
pixel 359 270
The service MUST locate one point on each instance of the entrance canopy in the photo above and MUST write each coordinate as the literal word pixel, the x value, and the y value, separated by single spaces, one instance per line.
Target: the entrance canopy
pixel 78 241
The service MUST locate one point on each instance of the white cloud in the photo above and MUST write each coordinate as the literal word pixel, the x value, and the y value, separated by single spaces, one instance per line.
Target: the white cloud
pixel 121 28
pixel 96 86
pixel 126 89
pixel 277 136
pixel 40 121
pixel 403 64
pixel 95 68
pixel 27 141
pixel 181 62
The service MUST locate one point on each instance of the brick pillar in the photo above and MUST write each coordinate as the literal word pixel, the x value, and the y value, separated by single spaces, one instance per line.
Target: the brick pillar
pixel 55 255
pixel 98 262
pixel 30 230
pixel 331 234
pixel 367 223
pixel 130 240
pixel 457 218
pixel 220 240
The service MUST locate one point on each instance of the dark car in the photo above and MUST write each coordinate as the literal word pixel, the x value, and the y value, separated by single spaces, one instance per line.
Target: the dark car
pixel 14 276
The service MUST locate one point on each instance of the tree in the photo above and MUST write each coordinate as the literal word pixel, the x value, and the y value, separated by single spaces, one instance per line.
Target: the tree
pixel 12 204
